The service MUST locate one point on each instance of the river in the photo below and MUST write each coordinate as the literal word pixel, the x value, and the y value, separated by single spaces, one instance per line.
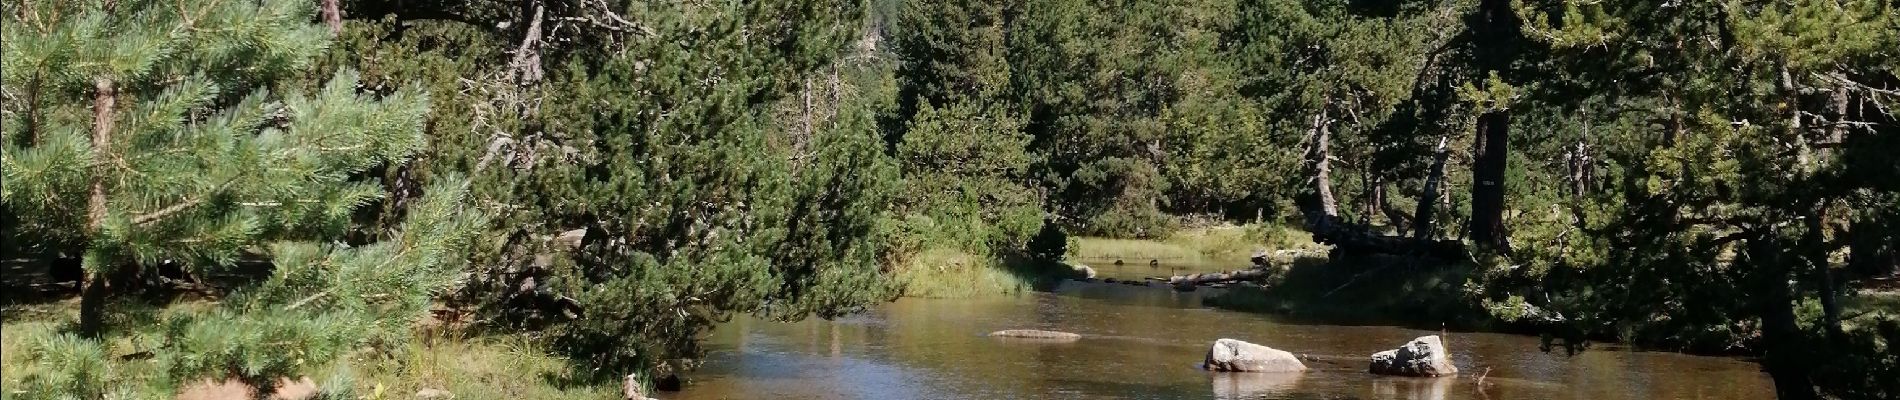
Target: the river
pixel 1147 343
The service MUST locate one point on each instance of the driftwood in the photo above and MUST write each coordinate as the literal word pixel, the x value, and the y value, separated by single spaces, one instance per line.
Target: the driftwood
pixel 1189 280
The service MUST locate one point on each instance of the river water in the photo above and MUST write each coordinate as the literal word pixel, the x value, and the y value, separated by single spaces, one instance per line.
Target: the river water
pixel 1147 343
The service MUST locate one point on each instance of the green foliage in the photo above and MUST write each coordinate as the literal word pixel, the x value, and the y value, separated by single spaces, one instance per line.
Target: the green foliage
pixel 697 202
pixel 963 168
pixel 204 164
pixel 1049 244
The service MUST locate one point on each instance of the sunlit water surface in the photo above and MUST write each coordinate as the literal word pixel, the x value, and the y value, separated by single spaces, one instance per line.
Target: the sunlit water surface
pixel 1146 343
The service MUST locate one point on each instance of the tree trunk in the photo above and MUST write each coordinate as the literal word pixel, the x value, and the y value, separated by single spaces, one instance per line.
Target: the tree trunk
pixel 333 16
pixel 1497 27
pixel 1319 206
pixel 92 305
pixel 1783 350
pixel 1429 198
pixel 1487 179
pixel 526 66
pixel 1816 255
pixel 104 99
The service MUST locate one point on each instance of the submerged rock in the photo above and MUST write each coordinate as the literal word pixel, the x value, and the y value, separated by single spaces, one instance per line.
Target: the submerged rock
pixel 1035 334
pixel 1424 356
pixel 1237 356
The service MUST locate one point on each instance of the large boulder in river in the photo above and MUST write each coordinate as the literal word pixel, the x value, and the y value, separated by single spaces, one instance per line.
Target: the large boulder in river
pixel 1035 334
pixel 1424 356
pixel 1237 356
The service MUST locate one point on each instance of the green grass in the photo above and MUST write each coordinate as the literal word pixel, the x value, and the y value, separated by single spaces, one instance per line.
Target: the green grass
pixel 1869 306
pixel 499 367
pixel 1223 243
pixel 946 273
pixel 495 367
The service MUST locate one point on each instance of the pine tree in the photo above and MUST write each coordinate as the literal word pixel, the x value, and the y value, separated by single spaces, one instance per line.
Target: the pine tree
pixel 148 133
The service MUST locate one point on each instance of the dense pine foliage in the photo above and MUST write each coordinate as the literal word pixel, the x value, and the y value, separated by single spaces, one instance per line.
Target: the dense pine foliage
pixel 615 177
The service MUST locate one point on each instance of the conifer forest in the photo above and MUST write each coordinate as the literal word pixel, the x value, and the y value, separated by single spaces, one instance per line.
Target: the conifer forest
pixel 622 199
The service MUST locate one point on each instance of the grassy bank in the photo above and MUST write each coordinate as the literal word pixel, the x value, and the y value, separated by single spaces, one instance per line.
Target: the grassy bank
pixel 1220 243
pixel 946 273
pixel 494 367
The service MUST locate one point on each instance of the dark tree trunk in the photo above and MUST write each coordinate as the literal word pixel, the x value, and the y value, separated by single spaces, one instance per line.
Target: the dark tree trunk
pixel 1487 179
pixel 1784 353
pixel 1816 255
pixel 92 305
pixel 1497 32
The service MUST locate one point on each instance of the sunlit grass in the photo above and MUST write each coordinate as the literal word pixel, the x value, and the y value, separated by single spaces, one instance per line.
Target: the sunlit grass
pixel 490 367
pixel 946 273
pixel 1225 243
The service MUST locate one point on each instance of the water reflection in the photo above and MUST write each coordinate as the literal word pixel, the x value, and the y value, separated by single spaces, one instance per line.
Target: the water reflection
pixel 1253 386
pixel 1145 343
pixel 1412 388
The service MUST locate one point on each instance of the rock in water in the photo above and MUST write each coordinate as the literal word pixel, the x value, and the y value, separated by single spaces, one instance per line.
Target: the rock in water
pixel 1424 356
pixel 1238 356
pixel 1083 271
pixel 1035 334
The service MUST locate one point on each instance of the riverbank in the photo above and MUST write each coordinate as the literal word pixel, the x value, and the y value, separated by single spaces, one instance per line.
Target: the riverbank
pixel 1364 290
pixel 471 367
pixel 1200 245
pixel 949 273
pixel 953 274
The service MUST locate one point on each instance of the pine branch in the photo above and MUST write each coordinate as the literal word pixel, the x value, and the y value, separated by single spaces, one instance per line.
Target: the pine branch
pixel 307 300
pixel 154 216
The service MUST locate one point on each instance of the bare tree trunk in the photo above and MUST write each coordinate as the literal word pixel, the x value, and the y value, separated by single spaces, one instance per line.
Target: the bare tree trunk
pixel 1319 204
pixel 1429 197
pixel 333 16
pixel 527 62
pixel 104 103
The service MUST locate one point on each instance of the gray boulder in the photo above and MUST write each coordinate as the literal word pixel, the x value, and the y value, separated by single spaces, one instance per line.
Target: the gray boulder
pixel 1237 356
pixel 1424 356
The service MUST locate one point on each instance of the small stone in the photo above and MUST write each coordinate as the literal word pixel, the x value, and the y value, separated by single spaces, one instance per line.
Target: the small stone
pixel 434 394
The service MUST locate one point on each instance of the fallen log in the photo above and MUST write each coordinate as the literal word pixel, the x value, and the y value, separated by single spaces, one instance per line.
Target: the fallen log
pixel 1360 240
pixel 1220 277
